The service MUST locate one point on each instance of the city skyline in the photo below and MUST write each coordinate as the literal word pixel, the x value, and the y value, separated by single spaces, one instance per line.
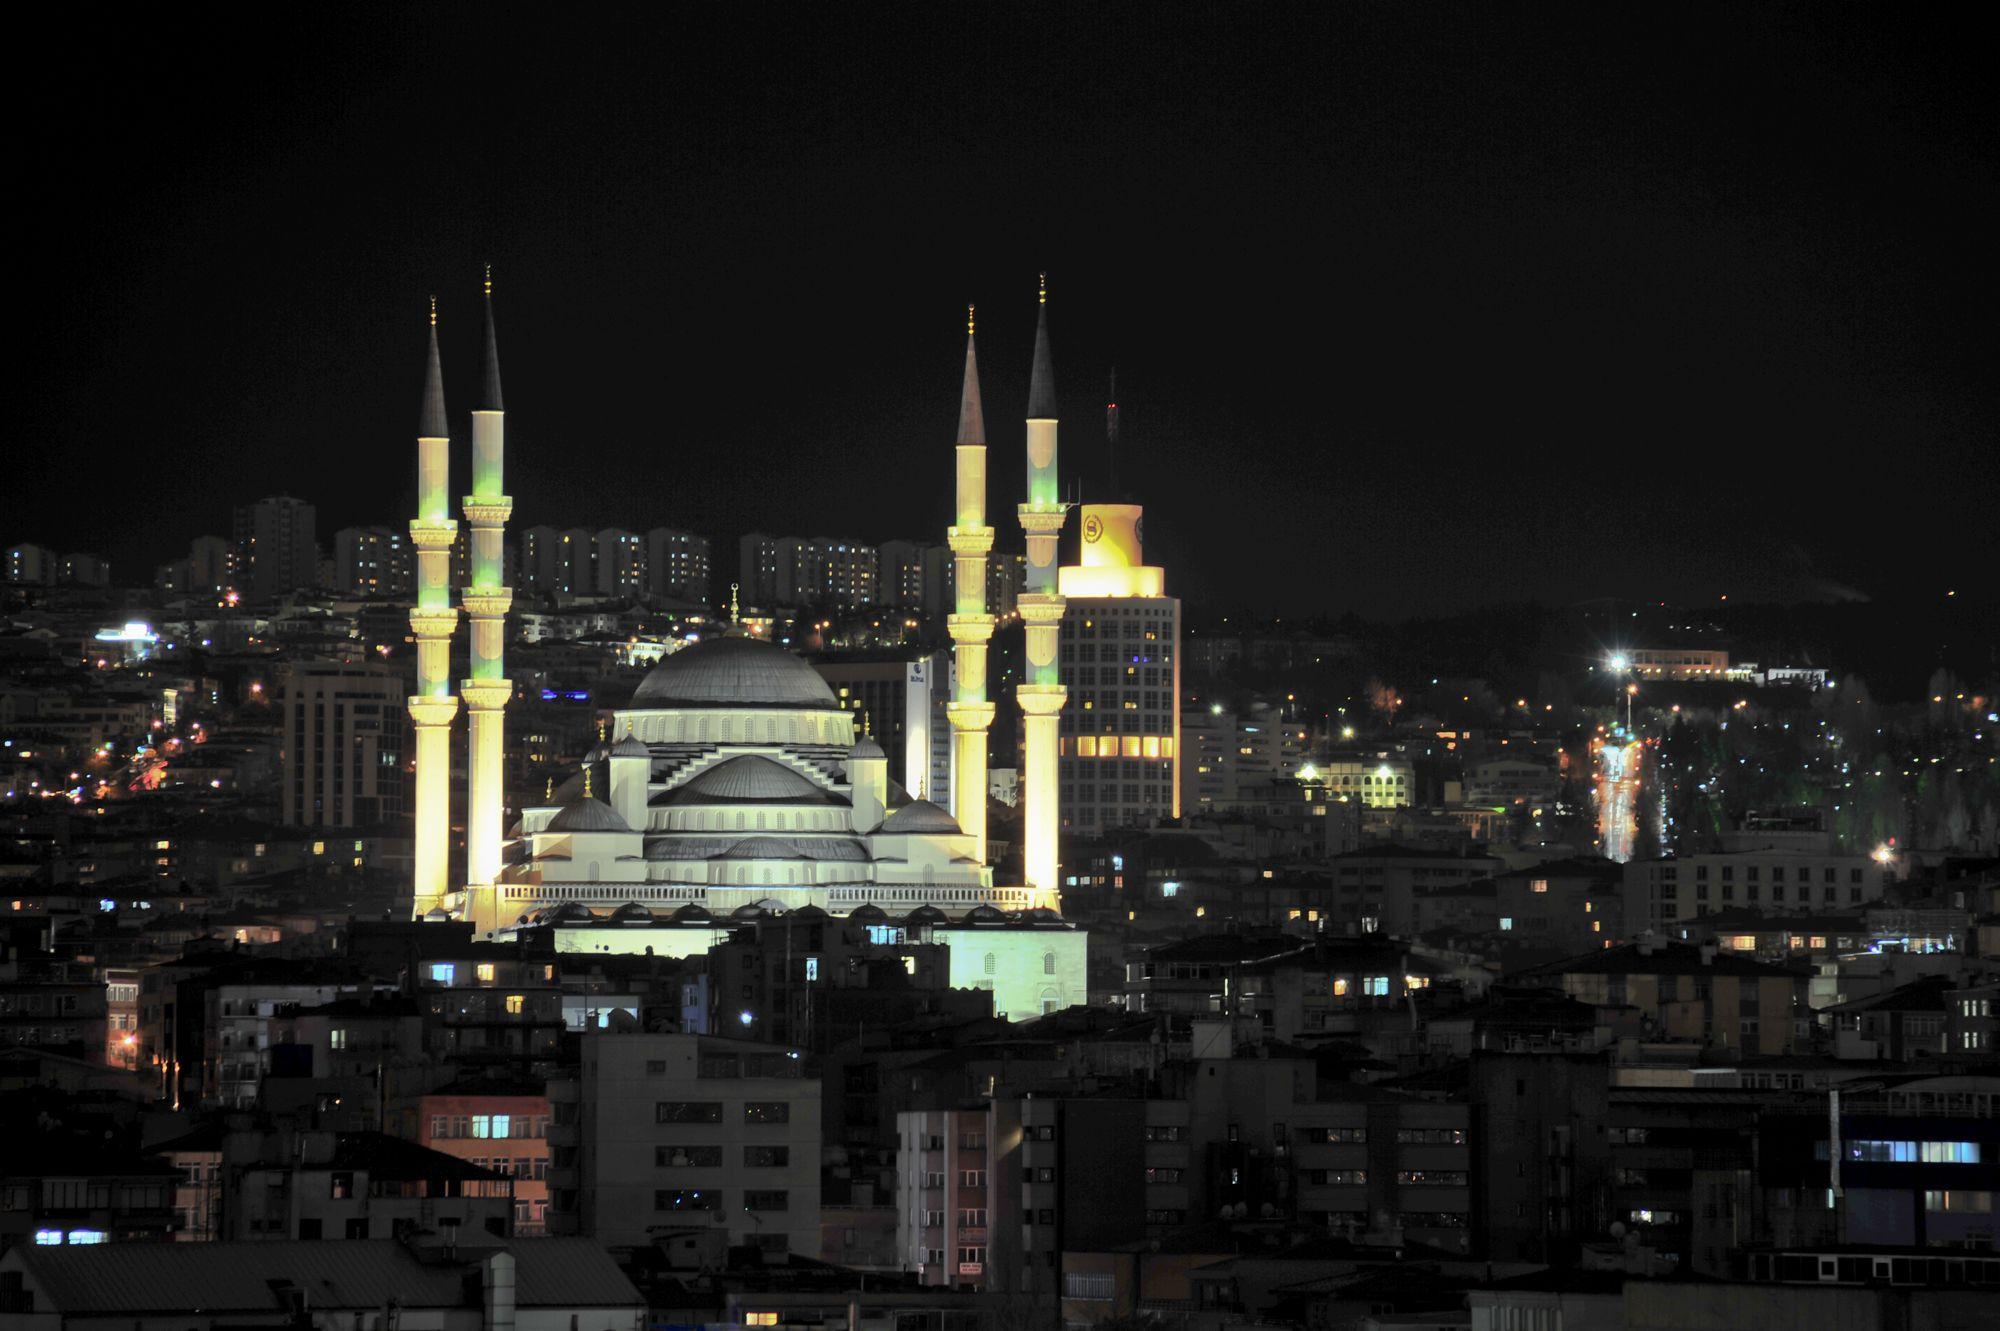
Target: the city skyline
pixel 1552 324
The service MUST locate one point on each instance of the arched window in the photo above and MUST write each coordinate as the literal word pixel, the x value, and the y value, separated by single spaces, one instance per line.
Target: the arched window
pixel 989 963
pixel 1048 963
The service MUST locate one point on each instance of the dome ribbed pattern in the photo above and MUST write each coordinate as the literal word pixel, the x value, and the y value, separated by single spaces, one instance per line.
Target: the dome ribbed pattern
pixel 588 815
pixel 921 816
pixel 733 672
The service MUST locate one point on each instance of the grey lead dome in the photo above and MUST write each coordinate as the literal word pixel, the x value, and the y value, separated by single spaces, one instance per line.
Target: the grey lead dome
pixel 733 672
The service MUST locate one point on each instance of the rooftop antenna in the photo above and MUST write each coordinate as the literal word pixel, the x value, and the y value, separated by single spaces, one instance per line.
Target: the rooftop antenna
pixel 1111 432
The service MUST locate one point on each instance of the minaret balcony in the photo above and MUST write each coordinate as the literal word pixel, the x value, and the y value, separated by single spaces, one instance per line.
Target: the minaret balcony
pixel 970 715
pixel 1040 520
pixel 486 602
pixel 436 711
pixel 970 628
pixel 433 533
pixel 486 695
pixel 1041 699
pixel 970 540
pixel 433 621
pixel 492 512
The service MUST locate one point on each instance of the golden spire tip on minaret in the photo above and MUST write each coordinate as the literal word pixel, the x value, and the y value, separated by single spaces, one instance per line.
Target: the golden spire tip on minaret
pixel 434 311
pixel 489 281
pixel 1043 297
pixel 968 320
pixel 549 793
pixel 735 615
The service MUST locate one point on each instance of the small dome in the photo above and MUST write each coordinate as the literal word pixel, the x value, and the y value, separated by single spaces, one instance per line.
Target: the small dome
pixel 691 914
pixel 588 814
pixel 571 912
pixel 750 777
pixel 984 914
pixel 631 913
pixel 436 915
pixel 921 816
pixel 733 672
pixel 750 912
pixel 866 747
pixel 868 912
pixel 925 915
pixel 806 913
pixel 762 848
pixel 630 747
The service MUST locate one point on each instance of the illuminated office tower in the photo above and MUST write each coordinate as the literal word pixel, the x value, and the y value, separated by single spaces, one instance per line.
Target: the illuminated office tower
pixel 1121 655
pixel 432 621
pixel 1040 605
pixel 971 626
pixel 486 599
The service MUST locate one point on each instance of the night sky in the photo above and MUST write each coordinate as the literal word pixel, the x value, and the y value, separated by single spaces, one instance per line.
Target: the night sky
pixel 1413 307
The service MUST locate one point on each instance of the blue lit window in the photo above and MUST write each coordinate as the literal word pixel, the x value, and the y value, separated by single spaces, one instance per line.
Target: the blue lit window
pixel 85 1236
pixel 1950 1153
pixel 442 971
pixel 49 1238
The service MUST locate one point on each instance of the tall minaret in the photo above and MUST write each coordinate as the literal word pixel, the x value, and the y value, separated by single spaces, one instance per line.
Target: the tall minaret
pixel 1041 693
pixel 432 620
pixel 486 598
pixel 971 627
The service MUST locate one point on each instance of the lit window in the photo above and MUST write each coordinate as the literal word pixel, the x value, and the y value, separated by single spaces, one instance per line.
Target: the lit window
pixel 1507 922
pixel 337 1038
pixel 760 1319
pixel 486 972
pixel 516 1004
pixel 442 971
pixel 1539 885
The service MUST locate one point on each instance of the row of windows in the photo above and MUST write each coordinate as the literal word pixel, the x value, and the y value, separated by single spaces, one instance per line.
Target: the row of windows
pixel 710 1199
pixel 489 1125
pixel 710 1111
pixel 710 1157
pixel 1873 1151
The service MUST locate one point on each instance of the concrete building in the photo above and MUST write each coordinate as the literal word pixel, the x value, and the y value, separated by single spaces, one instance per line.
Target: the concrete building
pixel 343 746
pixel 1376 887
pixel 1120 758
pixel 1660 893
pixel 277 548
pixel 373 561
pixel 31 565
pixel 679 565
pixel 665 1133
pixel 944 1218
pixel 1229 753
pixel 620 560
pixel 1700 663
pixel 492 1124
pixel 899 575
pixel 1693 993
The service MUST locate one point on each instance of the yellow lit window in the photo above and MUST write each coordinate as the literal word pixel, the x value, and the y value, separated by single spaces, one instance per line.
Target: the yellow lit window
pixel 1340 987
pixel 1743 942
pixel 1587 908
pixel 1292 915
pixel 1597 926
pixel 1130 745
pixel 1151 748
pixel 516 1004
pixel 1167 747
pixel 1819 941
pixel 760 1319
pixel 1539 885
pixel 1086 746
pixel 486 971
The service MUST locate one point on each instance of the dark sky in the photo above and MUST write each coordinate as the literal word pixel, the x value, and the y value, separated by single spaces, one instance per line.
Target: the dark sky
pixel 1413 307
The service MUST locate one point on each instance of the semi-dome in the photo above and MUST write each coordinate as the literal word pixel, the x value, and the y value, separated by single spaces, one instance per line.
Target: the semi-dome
pixel 748 777
pixel 921 816
pixel 585 814
pixel 866 747
pixel 762 848
pixel 733 672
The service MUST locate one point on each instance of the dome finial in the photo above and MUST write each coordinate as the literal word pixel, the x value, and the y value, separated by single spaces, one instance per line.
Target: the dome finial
pixel 968 320
pixel 586 780
pixel 549 792
pixel 489 281
pixel 1042 297
pixel 434 311
pixel 735 610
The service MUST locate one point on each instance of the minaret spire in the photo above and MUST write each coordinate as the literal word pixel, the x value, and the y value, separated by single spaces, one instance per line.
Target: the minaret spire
pixel 489 377
pixel 433 620
pixel 971 626
pixel 1042 378
pixel 487 599
pixel 1041 693
pixel 432 422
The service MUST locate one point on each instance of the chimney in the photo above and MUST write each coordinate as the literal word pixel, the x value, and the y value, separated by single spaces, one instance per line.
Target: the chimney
pixel 499 1283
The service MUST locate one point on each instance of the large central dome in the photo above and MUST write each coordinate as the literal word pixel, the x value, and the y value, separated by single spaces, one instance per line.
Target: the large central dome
pixel 733 672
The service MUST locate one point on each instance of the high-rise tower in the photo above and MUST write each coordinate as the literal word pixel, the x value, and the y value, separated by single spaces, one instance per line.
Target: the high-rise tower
pixel 971 626
pixel 486 599
pixel 1041 693
pixel 432 620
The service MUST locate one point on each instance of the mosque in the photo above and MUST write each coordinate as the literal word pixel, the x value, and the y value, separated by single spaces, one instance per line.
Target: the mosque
pixel 734 786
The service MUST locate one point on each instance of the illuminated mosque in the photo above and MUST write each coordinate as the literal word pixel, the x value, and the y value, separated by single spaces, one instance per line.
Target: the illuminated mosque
pixel 734 785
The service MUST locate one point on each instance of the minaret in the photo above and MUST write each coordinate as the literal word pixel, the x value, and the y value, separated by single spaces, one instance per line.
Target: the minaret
pixel 1041 693
pixel 486 599
pixel 971 627
pixel 432 621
